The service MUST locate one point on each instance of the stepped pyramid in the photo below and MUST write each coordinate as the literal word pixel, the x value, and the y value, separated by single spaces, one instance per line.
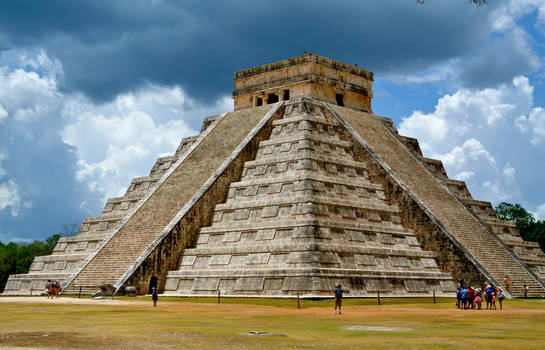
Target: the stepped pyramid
pixel 298 189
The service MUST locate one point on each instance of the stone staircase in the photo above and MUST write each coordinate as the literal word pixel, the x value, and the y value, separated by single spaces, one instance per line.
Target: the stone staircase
pixel 303 217
pixel 461 225
pixel 70 252
pixel 171 190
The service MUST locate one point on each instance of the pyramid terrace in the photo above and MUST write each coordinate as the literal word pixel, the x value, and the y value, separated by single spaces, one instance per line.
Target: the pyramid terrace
pixel 299 189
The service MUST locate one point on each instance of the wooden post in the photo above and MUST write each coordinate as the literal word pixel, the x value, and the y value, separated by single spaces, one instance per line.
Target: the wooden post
pixel 219 296
pixel 378 297
pixel 298 302
pixel 434 296
pixel 79 294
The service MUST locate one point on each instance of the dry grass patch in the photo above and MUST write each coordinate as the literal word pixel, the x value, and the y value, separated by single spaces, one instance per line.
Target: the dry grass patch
pixel 192 323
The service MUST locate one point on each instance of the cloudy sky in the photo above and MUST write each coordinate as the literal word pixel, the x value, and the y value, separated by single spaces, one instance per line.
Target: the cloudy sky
pixel 92 92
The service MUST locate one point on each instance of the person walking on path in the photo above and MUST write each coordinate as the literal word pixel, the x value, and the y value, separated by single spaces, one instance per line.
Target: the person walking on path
pixel 338 298
pixel 154 296
pixel 500 298
pixel 507 282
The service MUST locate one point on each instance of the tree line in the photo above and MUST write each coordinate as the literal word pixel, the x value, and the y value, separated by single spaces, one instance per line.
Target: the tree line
pixel 530 228
pixel 17 257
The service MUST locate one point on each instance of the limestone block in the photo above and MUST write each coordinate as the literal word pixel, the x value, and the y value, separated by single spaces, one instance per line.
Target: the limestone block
pixel 205 284
pixel 37 266
pixel 171 284
pixel 220 260
pixel 185 285
pixel 270 211
pixel 376 285
pixel 416 285
pixel 227 285
pixel 258 258
pixel 365 260
pixel 273 285
pixel 203 238
pixel 278 259
pixel 230 237
pixel 265 235
pixel 188 260
pixel 249 284
pixel 202 261
pixel 447 285
pixel 58 265
pixel 400 261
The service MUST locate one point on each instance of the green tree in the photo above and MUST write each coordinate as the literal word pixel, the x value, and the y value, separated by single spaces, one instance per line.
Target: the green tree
pixel 17 257
pixel 530 228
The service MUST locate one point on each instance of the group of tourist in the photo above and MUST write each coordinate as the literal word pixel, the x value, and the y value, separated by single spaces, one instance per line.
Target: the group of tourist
pixel 53 289
pixel 470 298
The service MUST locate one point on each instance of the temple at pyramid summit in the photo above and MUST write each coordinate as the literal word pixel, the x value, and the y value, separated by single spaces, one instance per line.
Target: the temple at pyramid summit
pixel 300 188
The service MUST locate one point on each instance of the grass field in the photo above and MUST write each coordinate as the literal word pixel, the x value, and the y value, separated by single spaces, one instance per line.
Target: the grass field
pixel 124 323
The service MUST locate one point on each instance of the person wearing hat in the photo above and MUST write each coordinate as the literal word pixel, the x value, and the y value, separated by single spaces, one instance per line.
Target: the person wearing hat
pixel 500 297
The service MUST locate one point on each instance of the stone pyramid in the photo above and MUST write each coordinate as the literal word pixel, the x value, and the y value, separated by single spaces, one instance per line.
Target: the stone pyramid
pixel 297 190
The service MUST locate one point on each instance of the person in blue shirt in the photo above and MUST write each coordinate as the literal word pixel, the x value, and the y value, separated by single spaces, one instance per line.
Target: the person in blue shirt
pixel 338 298
pixel 464 298
pixel 489 292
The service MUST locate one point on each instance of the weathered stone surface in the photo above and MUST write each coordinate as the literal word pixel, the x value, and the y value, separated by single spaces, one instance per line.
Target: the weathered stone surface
pixel 293 198
pixel 302 215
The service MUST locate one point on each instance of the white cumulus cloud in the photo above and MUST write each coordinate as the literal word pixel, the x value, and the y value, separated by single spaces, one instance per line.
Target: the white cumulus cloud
pixel 483 135
pixel 9 197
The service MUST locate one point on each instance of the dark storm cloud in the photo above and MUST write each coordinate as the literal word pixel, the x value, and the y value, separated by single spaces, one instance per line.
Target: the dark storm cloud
pixel 108 47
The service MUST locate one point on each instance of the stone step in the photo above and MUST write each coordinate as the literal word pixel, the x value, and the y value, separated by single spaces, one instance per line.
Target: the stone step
pixel 169 196
pixel 438 201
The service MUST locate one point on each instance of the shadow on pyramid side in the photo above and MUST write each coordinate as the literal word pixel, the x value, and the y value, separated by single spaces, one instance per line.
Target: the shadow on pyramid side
pixel 293 197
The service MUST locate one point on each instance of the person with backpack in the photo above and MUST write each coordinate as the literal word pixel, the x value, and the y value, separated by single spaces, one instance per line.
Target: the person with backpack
pixel 338 298
pixel 507 282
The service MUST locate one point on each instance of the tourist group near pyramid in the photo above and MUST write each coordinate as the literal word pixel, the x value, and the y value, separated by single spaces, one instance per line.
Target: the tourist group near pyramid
pixel 299 189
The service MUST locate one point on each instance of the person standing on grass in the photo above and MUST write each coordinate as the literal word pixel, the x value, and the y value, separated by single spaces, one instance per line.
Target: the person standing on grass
pixel 338 298
pixel 493 307
pixel 154 296
pixel 478 298
pixel 464 298
pixel 57 289
pixel 525 292
pixel 49 289
pixel 500 298
pixel 488 296
pixel 459 297
pixel 470 298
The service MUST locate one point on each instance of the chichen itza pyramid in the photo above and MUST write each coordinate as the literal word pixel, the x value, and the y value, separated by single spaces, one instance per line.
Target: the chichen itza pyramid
pixel 298 189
